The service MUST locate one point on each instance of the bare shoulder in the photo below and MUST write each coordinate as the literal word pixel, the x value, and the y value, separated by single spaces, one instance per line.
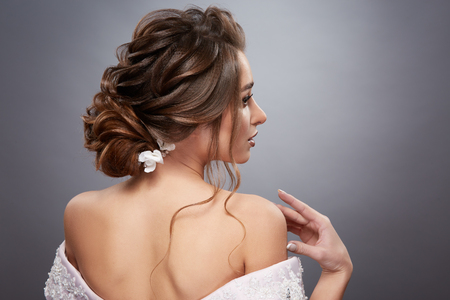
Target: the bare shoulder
pixel 256 209
pixel 91 204
pixel 91 241
pixel 81 201
pixel 266 238
pixel 90 215
pixel 80 207
pixel 76 215
pixel 79 212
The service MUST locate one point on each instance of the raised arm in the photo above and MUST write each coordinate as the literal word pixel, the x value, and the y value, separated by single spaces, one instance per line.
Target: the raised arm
pixel 319 241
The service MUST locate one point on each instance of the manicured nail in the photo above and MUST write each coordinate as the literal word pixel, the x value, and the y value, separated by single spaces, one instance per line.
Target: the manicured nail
pixel 291 247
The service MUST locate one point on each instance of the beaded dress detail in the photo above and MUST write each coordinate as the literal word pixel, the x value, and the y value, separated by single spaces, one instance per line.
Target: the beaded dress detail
pixel 65 281
pixel 280 281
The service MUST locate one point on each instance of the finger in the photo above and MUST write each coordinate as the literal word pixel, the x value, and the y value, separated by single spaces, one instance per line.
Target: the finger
pixel 303 209
pixel 296 225
pixel 295 230
pixel 302 233
pixel 292 223
pixel 304 249
pixel 292 215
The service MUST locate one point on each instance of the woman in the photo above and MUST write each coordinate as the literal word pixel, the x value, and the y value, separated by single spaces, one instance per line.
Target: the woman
pixel 177 105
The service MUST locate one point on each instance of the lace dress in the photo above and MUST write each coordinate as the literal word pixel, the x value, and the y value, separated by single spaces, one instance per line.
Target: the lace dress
pixel 279 281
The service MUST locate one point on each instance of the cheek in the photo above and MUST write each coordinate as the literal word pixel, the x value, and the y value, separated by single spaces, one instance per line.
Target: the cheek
pixel 245 123
pixel 241 139
pixel 225 134
pixel 241 148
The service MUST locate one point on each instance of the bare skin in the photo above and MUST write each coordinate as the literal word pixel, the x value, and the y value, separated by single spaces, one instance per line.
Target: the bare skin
pixel 321 242
pixel 116 237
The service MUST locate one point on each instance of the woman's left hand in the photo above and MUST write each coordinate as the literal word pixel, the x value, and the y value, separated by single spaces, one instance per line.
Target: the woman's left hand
pixel 319 239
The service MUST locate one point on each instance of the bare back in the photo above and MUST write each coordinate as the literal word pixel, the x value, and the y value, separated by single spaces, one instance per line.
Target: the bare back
pixel 116 238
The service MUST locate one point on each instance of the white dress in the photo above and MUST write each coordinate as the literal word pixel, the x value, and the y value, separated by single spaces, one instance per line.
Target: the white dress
pixel 280 281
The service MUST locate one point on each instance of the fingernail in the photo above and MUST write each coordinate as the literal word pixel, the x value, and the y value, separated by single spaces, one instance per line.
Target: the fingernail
pixel 291 247
pixel 281 191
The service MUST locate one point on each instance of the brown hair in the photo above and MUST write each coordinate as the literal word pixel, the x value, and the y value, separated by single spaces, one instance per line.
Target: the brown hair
pixel 179 71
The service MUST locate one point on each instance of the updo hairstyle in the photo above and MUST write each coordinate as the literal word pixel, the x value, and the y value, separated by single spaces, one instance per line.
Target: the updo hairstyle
pixel 179 71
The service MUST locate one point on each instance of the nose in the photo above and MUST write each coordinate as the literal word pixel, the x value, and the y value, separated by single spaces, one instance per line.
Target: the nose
pixel 258 115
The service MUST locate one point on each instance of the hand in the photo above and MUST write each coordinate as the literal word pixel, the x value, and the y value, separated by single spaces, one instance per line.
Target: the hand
pixel 319 239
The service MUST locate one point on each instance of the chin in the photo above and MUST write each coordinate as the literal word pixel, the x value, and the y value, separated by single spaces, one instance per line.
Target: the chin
pixel 242 159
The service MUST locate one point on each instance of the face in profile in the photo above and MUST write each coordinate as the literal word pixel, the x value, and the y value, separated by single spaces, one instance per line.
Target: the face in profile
pixel 251 115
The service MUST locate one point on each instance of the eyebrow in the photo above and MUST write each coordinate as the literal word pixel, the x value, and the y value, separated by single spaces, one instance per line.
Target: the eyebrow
pixel 248 86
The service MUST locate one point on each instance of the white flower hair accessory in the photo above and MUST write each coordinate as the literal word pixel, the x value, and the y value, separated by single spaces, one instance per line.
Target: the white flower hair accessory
pixel 150 158
pixel 165 147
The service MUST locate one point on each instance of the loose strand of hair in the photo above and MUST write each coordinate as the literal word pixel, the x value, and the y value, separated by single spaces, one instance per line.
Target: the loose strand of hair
pixel 213 150
pixel 172 222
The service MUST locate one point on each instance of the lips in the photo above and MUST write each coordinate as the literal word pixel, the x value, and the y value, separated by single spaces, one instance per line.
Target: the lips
pixel 251 141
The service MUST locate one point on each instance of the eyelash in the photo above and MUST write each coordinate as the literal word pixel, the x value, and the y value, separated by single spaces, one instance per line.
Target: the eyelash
pixel 246 98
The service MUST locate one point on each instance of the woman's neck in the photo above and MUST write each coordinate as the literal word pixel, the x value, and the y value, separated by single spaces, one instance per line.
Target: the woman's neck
pixel 179 168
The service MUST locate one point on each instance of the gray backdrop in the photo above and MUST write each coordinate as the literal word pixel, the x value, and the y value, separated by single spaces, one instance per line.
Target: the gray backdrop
pixel 357 98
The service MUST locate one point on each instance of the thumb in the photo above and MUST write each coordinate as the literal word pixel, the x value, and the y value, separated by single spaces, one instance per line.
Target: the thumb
pixel 302 248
